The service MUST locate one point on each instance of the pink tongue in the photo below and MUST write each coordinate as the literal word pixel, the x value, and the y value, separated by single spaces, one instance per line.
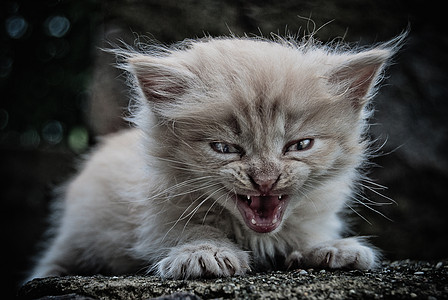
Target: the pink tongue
pixel 261 213
pixel 265 207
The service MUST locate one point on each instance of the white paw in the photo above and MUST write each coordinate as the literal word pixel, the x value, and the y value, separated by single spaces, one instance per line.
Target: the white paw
pixel 294 260
pixel 343 253
pixel 203 260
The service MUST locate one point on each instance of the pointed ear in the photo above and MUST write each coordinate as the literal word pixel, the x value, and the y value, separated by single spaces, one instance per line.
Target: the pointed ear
pixel 160 79
pixel 356 77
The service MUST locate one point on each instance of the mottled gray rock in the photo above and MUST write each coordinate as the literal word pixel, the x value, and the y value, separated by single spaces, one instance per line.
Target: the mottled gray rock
pixel 394 280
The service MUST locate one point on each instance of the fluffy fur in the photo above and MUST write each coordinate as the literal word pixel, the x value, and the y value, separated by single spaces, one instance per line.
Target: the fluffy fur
pixel 245 153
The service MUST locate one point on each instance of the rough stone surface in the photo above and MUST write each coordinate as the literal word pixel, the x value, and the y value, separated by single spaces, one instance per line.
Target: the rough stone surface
pixel 393 280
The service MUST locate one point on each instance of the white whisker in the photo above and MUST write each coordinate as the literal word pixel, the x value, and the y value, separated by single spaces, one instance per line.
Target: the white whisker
pixel 185 213
pixel 377 185
pixel 371 202
pixel 356 212
pixel 374 210
pixel 211 206
pixel 197 208
pixel 379 194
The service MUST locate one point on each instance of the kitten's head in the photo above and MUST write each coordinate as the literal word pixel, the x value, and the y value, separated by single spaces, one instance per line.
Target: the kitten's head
pixel 256 125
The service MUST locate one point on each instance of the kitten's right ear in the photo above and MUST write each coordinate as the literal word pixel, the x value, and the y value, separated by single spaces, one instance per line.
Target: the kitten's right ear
pixel 160 79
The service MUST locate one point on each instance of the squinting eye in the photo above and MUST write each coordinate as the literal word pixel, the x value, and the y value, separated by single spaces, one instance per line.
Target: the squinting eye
pixel 301 145
pixel 225 148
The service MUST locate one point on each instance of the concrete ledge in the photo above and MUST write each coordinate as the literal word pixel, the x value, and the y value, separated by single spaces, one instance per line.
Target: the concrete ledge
pixel 394 280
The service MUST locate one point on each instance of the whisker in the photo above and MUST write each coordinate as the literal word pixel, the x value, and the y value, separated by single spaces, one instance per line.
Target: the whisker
pixel 371 202
pixel 211 206
pixel 379 186
pixel 200 204
pixel 168 190
pixel 374 210
pixel 379 194
pixel 184 215
pixel 356 212
pixel 197 208
pixel 196 189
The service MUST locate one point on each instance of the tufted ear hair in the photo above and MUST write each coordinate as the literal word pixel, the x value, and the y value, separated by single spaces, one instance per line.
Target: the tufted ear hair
pixel 159 78
pixel 356 77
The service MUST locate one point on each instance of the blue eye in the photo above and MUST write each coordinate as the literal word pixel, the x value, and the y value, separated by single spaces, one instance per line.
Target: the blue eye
pixel 300 145
pixel 225 148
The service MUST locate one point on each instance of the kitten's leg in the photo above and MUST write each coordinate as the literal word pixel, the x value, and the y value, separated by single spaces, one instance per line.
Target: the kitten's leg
pixel 55 260
pixel 342 253
pixel 204 259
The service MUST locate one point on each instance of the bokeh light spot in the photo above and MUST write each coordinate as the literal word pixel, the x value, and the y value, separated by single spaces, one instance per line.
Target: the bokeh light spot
pixel 16 27
pixel 53 132
pixel 78 139
pixel 30 138
pixel 57 26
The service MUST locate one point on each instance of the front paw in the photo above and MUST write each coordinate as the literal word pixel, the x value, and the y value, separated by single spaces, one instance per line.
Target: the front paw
pixel 343 253
pixel 203 260
pixel 294 260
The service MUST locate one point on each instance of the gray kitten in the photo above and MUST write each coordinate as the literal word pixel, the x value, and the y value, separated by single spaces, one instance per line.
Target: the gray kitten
pixel 244 154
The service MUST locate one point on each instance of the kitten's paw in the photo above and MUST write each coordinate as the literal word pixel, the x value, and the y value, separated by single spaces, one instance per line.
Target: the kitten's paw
pixel 343 253
pixel 294 260
pixel 47 270
pixel 203 260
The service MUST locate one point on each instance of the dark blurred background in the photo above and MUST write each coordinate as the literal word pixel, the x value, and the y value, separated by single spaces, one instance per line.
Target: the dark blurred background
pixel 59 92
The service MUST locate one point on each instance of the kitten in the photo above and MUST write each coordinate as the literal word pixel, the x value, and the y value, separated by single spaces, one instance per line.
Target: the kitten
pixel 245 153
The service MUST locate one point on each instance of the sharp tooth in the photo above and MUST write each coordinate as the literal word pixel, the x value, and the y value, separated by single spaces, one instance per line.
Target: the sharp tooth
pixel 253 221
pixel 280 197
pixel 248 197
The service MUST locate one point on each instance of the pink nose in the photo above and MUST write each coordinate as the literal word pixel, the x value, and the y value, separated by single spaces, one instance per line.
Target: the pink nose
pixel 264 185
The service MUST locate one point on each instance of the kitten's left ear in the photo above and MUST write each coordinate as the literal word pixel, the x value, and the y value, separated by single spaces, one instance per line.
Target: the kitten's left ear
pixel 356 77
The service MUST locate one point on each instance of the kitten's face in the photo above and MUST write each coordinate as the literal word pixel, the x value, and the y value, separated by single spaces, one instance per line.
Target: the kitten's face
pixel 261 155
pixel 256 126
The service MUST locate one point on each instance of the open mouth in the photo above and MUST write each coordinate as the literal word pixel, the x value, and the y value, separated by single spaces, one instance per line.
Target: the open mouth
pixel 262 213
